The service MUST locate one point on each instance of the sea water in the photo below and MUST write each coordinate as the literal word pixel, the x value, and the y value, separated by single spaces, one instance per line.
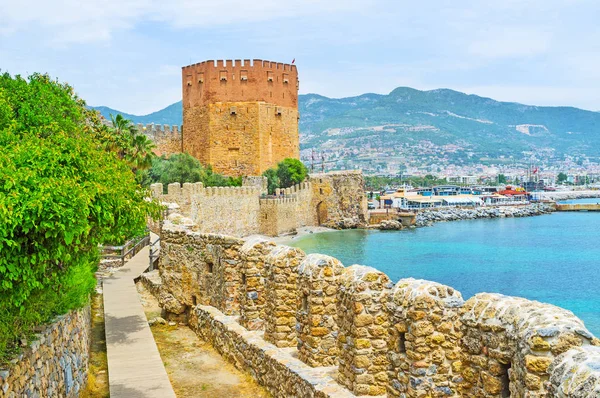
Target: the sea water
pixel 551 258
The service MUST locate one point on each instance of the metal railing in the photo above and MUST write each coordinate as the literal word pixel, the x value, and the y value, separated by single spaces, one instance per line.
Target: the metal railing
pixel 125 251
pixel 154 252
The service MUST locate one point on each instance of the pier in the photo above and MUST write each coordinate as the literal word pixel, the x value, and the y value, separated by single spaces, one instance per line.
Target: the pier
pixel 578 207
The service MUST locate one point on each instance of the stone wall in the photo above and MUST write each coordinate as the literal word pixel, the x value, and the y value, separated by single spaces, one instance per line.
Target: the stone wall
pixel 55 364
pixel 167 139
pixel 352 325
pixel 424 344
pixel 278 216
pixel 510 344
pixel 338 199
pixel 333 199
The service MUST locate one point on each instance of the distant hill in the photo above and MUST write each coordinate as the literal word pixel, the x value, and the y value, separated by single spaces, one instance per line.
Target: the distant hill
pixel 171 115
pixel 406 116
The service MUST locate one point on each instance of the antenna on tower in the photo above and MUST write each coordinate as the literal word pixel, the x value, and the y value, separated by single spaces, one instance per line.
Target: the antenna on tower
pixel 322 162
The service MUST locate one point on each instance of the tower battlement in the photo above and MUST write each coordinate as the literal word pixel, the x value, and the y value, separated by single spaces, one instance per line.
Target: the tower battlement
pixel 240 117
pixel 240 81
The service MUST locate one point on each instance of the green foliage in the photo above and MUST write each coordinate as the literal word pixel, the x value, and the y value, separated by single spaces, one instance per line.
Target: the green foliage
pixel 61 195
pixel 182 167
pixel 562 177
pixel 288 172
pixel 502 179
pixel 272 180
pixel 291 172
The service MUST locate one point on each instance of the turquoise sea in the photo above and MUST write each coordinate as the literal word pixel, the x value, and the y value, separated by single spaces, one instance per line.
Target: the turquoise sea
pixel 552 258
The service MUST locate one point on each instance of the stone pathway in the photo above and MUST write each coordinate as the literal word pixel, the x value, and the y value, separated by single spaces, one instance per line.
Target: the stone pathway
pixel 135 368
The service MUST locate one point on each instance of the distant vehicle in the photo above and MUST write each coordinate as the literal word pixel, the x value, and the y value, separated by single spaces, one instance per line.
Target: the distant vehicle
pixel 371 206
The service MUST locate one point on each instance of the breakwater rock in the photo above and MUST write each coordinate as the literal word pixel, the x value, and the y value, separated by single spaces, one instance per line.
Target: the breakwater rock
pixel 567 195
pixel 428 217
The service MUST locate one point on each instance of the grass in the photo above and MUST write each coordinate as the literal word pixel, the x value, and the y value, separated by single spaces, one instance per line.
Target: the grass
pixel 97 386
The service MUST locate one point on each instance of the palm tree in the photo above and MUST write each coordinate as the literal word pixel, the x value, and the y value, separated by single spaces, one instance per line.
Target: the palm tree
pixel 132 146
pixel 140 153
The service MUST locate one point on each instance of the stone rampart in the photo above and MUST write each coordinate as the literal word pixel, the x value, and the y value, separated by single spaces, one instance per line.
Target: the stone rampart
pixel 338 199
pixel 352 325
pixel 55 364
pixel 168 139
pixel 332 199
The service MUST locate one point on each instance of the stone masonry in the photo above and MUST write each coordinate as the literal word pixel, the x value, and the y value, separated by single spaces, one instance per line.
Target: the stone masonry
pixel 252 291
pixel 55 364
pixel 318 279
pixel 363 330
pixel 424 344
pixel 241 117
pixel 335 200
pixel 270 310
pixel 281 295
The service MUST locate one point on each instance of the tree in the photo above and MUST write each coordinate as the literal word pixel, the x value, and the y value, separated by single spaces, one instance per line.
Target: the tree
pixel 562 178
pixel 272 180
pixel 183 167
pixel 290 172
pixel 129 144
pixel 501 179
pixel 62 195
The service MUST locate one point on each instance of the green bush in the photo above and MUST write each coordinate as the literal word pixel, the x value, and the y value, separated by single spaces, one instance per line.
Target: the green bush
pixel 288 172
pixel 182 167
pixel 61 195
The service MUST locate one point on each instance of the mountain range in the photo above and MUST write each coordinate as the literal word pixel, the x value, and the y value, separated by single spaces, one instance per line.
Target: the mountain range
pixel 443 118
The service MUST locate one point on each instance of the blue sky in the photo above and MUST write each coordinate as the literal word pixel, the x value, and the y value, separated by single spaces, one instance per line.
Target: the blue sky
pixel 127 54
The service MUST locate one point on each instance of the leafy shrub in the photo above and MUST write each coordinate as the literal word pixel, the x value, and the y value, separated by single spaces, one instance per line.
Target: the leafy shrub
pixel 288 172
pixel 61 195
pixel 182 167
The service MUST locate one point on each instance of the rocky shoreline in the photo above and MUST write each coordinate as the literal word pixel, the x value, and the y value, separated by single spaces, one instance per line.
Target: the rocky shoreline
pixel 568 195
pixel 429 217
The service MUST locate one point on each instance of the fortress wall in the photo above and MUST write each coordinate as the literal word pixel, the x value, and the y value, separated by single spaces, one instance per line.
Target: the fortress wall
pixel 305 211
pixel 318 284
pixel 364 327
pixel 335 199
pixel 414 339
pixel 252 292
pixel 278 216
pixel 338 199
pixel 281 295
pixel 168 139
pixel 199 269
pixel 228 210
pixel 55 363
pixel 510 344
pixel 424 344
pixel 259 182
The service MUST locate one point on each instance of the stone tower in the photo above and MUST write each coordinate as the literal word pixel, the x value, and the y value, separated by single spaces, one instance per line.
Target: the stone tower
pixel 240 117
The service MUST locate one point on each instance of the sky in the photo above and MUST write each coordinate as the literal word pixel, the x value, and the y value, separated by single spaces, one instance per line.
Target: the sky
pixel 128 54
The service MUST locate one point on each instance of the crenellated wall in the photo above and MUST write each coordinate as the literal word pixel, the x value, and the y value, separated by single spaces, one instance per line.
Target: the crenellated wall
pixel 168 139
pixel 332 199
pixel 333 331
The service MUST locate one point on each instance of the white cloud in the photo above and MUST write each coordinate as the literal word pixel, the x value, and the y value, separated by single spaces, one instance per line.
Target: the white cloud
pixel 511 42
pixel 75 21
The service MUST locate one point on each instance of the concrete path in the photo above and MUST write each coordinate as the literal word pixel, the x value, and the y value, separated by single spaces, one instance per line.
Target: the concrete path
pixel 135 369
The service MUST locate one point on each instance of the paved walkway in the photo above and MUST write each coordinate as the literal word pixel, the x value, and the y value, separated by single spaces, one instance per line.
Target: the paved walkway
pixel 135 369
